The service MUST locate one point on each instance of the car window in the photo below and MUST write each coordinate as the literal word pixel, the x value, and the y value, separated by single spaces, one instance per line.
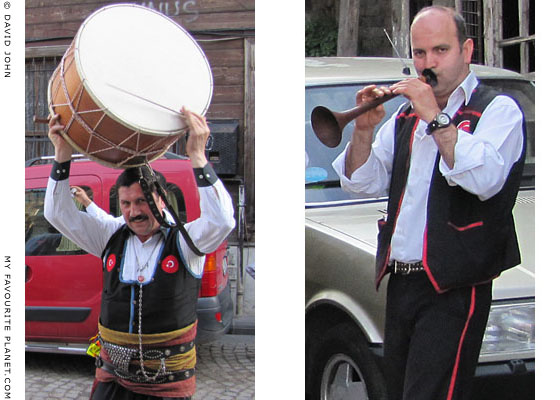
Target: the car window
pixel 524 93
pixel 41 238
pixel 321 181
pixel 174 196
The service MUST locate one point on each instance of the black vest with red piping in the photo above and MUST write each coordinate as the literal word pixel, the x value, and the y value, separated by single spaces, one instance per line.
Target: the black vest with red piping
pixel 169 298
pixel 466 240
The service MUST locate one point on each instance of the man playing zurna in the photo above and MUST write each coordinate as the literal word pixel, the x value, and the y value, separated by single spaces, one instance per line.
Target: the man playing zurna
pixel 451 160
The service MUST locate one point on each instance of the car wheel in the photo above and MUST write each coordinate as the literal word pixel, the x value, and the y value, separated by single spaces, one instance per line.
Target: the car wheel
pixel 346 368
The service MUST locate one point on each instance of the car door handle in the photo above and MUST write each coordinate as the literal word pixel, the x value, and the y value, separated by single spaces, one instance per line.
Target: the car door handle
pixel 28 273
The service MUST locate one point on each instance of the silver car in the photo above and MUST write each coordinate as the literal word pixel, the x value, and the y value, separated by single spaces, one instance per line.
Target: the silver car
pixel 344 313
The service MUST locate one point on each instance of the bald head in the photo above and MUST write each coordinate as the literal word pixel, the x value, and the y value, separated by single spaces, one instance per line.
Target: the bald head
pixel 456 18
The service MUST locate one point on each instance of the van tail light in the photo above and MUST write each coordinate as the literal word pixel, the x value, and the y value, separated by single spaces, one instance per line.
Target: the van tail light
pixel 210 264
pixel 209 287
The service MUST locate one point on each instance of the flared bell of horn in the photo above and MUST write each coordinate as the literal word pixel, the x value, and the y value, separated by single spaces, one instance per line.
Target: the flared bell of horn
pixel 328 125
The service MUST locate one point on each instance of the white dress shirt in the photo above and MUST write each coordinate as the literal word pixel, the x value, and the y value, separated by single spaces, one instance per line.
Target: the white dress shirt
pixel 92 230
pixel 482 163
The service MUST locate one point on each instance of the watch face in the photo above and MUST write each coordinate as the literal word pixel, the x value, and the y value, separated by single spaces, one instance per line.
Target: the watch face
pixel 443 119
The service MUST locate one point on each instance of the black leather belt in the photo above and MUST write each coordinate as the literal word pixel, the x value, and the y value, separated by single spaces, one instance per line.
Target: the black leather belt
pixel 150 353
pixel 121 366
pixel 135 374
pixel 401 268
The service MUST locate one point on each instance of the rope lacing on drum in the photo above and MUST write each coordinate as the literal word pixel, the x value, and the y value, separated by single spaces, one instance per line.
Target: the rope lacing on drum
pixel 111 145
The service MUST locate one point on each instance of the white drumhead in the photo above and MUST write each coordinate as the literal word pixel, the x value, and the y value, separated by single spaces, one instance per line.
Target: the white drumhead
pixel 140 51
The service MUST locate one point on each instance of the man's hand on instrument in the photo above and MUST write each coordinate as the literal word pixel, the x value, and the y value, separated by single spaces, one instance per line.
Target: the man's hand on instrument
pixel 421 95
pixel 198 136
pixel 362 137
pixel 368 120
pixel 62 150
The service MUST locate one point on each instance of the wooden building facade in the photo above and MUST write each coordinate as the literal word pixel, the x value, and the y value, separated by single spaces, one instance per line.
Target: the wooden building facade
pixel 225 30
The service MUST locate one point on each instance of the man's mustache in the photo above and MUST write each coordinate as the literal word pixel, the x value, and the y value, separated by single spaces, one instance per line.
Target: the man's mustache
pixel 139 218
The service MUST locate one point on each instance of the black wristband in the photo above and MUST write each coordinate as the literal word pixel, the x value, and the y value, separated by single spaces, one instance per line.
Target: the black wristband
pixel 60 171
pixel 205 176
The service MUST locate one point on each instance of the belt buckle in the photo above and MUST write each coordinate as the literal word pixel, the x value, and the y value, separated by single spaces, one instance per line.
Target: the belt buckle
pixel 402 265
pixel 408 268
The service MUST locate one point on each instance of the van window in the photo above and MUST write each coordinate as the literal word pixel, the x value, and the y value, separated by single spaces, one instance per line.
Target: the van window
pixel 41 238
pixel 174 196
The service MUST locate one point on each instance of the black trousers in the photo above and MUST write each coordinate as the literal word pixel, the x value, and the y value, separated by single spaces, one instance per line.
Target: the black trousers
pixel 432 341
pixel 114 391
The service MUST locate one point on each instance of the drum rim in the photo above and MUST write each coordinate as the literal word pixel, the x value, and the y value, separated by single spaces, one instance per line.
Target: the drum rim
pixel 94 97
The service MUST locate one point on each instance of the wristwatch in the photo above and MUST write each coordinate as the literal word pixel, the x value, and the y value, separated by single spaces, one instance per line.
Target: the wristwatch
pixel 442 120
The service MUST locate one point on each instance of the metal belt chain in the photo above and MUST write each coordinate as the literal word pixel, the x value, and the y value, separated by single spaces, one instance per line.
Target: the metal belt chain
pixel 140 350
pixel 120 355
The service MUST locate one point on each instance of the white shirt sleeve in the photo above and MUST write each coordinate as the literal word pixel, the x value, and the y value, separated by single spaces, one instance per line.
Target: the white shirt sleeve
pixel 374 176
pixel 213 226
pixel 87 231
pixel 484 159
pixel 96 211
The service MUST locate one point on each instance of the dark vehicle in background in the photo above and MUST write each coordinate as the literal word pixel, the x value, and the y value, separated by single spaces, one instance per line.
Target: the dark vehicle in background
pixel 63 283
pixel 344 314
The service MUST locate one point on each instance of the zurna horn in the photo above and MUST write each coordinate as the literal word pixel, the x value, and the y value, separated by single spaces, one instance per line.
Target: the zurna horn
pixel 328 125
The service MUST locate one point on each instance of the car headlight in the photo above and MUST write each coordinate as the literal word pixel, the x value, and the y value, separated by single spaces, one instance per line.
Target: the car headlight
pixel 510 328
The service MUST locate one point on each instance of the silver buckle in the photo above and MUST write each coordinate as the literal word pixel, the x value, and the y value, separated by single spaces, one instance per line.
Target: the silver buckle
pixel 408 268
pixel 407 265
pixel 402 265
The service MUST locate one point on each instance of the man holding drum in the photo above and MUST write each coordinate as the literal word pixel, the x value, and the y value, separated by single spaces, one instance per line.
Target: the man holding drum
pixel 451 161
pixel 151 276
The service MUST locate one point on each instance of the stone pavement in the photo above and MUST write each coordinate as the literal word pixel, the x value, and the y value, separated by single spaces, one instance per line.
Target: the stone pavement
pixel 225 370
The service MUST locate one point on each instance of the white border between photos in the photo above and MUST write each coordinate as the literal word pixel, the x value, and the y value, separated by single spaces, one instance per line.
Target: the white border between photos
pixel 12 95
pixel 279 208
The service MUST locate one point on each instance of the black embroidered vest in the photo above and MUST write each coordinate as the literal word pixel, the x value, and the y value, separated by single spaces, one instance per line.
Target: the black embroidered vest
pixel 466 240
pixel 168 300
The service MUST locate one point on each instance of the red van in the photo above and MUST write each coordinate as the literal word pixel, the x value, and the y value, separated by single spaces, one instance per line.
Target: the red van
pixel 63 282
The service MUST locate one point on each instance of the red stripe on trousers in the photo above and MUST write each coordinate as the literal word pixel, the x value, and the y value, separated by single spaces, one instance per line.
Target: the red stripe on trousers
pixel 458 357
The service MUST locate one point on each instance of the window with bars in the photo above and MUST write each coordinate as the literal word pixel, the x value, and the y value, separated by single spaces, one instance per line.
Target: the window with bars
pixel 37 74
pixel 472 13
pixel 38 71
pixel 509 41
pixel 517 43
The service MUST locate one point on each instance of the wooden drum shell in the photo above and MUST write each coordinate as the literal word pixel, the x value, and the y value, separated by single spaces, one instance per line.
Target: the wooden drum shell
pixel 119 87
pixel 91 130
